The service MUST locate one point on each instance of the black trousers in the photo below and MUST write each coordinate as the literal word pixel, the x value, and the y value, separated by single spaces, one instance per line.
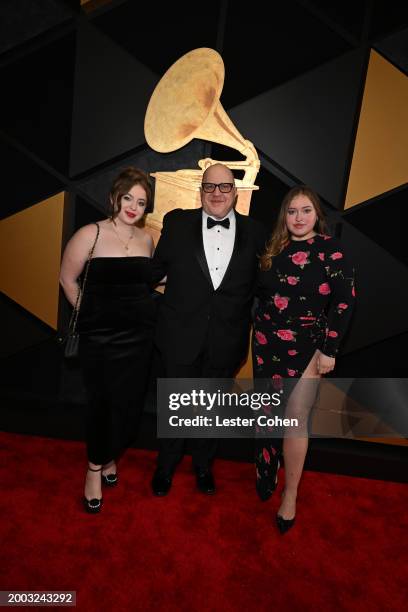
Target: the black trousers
pixel 202 449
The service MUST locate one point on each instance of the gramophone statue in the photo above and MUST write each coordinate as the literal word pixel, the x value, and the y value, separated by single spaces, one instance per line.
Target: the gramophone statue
pixel 185 105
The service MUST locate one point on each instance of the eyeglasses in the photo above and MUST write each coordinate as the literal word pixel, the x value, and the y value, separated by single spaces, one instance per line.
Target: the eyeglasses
pixel 223 187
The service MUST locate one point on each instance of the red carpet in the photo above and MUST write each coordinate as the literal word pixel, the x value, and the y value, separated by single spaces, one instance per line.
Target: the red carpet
pixel 348 550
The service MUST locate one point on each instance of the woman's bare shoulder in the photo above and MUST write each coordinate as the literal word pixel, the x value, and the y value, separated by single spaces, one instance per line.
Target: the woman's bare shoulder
pixel 84 236
pixel 89 231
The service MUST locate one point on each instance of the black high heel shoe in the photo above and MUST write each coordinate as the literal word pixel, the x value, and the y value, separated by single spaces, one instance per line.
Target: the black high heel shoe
pixel 109 480
pixel 284 524
pixel 94 505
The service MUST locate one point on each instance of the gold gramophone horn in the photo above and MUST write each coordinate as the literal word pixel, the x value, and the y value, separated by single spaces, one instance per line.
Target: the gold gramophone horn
pixel 185 105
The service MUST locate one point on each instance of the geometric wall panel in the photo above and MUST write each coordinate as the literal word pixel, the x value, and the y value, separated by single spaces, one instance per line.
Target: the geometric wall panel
pixel 86 213
pixel 348 15
pixel 386 17
pixel 75 92
pixel 37 185
pixel 37 109
pixel 160 41
pixel 20 21
pixel 381 292
pixel 112 90
pixel 97 186
pixel 20 329
pixel 265 203
pixel 30 246
pixel 380 151
pixel 273 44
pixel 378 220
pixel 367 361
pixel 306 125
pixel 395 49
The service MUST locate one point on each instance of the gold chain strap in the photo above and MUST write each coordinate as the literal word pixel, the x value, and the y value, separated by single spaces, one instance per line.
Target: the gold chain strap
pixel 75 312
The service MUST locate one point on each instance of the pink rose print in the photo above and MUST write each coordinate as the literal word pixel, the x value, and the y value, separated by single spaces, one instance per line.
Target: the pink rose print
pixel 343 306
pixel 293 280
pixel 324 289
pixel 266 455
pixel 310 241
pixel 267 408
pixel 336 255
pixel 353 292
pixel 326 237
pixel 266 316
pixel 280 302
pixel 259 360
pixel 292 352
pixel 285 334
pixel 332 334
pixel 277 381
pixel 291 372
pixel 321 256
pixel 261 338
pixel 300 258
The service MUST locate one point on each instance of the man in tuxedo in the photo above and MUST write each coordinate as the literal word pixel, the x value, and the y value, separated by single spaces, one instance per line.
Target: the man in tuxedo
pixel 210 258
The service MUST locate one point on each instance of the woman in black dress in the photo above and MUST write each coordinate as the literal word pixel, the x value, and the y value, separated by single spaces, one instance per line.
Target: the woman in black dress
pixel 306 295
pixel 116 324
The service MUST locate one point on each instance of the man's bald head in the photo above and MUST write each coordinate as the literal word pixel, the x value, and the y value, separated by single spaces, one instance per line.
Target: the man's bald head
pixel 227 172
pixel 218 203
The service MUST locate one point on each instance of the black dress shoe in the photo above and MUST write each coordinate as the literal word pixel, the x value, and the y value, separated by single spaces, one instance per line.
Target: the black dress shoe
pixel 205 481
pixel 284 524
pixel 161 483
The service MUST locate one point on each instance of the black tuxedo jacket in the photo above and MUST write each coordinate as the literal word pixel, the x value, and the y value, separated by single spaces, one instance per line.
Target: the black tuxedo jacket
pixel 192 314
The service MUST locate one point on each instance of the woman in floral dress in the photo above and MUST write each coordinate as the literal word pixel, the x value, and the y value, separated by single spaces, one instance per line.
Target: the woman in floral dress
pixel 306 294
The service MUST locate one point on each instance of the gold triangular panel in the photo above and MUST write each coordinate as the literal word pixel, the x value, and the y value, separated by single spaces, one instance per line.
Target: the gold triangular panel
pixel 30 251
pixel 380 152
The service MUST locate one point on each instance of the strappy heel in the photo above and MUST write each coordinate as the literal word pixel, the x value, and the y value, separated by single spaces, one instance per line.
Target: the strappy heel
pixel 109 480
pixel 94 505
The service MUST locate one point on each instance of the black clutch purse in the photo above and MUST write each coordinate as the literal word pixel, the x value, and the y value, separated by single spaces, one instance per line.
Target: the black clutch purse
pixel 71 341
pixel 71 349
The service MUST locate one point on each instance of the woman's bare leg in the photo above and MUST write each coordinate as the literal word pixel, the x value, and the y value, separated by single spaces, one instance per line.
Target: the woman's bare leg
pixel 93 483
pixel 295 443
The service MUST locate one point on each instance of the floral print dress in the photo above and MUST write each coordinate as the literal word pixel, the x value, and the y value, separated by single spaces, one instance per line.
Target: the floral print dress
pixel 305 303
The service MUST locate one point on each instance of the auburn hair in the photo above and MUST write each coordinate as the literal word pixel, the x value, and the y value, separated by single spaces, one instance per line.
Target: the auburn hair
pixel 123 183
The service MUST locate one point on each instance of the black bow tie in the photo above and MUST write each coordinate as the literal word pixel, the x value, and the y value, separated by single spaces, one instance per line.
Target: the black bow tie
pixel 212 222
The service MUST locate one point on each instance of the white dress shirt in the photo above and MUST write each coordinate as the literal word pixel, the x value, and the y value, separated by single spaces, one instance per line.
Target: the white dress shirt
pixel 218 246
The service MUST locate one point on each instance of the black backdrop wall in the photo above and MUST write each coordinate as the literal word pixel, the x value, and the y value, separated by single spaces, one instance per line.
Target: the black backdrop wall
pixel 76 83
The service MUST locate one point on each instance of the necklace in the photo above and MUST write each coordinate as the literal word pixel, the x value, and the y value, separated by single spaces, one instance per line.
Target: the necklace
pixel 125 244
